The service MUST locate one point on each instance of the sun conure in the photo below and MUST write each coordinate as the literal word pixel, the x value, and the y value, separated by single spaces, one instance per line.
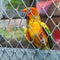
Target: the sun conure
pixel 37 31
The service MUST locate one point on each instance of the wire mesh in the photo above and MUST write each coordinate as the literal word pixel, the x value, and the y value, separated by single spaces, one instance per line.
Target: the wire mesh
pixel 15 26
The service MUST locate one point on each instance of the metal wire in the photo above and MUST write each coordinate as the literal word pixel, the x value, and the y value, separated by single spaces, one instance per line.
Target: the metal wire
pixel 16 45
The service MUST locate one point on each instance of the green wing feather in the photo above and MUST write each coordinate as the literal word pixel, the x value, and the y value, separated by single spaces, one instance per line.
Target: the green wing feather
pixel 48 32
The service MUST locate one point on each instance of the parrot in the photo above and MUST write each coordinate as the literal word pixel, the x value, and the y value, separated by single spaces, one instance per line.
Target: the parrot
pixel 37 31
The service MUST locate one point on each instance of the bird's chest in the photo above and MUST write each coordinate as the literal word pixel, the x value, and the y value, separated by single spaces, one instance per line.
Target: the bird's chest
pixel 34 28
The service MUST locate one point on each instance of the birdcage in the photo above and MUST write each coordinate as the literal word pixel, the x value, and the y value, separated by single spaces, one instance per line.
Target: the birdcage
pixel 26 34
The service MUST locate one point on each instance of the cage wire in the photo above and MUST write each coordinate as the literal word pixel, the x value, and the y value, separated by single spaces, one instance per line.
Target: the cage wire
pixel 14 44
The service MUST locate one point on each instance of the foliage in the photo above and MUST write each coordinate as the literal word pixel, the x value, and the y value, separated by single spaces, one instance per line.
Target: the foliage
pixel 17 33
pixel 14 3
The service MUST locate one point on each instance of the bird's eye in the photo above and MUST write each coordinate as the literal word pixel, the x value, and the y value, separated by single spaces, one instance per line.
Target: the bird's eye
pixel 29 11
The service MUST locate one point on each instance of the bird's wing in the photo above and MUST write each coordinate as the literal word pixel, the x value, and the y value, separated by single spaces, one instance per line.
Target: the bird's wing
pixel 48 32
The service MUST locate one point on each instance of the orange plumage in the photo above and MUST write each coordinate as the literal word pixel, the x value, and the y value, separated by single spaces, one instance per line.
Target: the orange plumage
pixel 35 31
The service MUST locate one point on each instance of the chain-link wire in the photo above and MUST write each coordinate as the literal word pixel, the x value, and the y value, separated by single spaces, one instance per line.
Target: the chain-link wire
pixel 18 37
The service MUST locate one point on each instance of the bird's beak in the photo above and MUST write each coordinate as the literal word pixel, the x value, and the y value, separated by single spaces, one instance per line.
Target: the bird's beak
pixel 24 15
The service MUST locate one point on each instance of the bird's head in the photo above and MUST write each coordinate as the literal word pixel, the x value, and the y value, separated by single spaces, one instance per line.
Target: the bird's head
pixel 31 12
